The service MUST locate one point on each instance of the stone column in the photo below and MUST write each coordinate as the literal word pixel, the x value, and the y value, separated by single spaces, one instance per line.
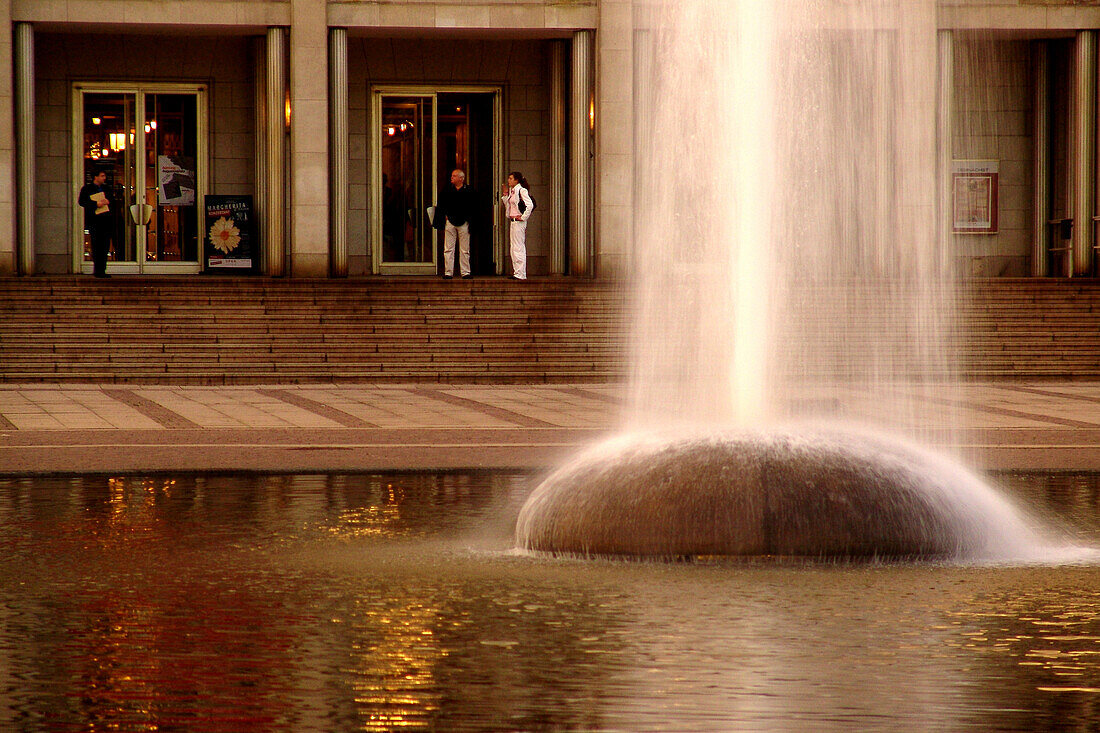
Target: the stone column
pixel 338 150
pixel 559 146
pixel 921 58
pixel 614 202
pixel 1040 232
pixel 882 228
pixel 581 163
pixel 945 142
pixel 7 148
pixel 309 204
pixel 259 127
pixel 1084 150
pixel 643 118
pixel 275 84
pixel 24 147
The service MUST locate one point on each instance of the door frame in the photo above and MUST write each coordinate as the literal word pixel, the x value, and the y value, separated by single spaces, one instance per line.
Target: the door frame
pixel 374 173
pixel 202 163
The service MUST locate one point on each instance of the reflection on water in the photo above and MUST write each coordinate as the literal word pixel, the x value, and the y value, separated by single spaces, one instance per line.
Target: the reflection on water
pixel 254 603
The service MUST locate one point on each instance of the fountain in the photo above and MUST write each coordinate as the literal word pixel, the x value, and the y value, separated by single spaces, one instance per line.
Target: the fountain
pixel 787 257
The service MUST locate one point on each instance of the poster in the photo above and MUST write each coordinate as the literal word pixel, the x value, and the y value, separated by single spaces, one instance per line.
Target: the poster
pixel 230 243
pixel 175 181
pixel 974 195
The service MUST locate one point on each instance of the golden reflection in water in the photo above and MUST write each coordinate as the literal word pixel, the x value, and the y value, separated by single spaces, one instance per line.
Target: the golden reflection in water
pixel 116 688
pixel 130 508
pixel 395 652
pixel 362 507
pixel 378 517
pixel 1053 634
pixel 125 494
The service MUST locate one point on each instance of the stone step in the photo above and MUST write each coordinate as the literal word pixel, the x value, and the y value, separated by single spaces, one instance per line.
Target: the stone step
pixel 181 331
pixel 237 330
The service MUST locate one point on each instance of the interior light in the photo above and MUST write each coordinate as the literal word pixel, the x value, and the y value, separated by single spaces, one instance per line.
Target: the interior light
pixel 148 127
pixel 153 124
pixel 96 120
pixel 404 126
pixel 391 130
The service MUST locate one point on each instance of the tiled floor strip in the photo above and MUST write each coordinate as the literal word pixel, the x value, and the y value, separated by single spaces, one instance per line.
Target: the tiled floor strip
pixel 1051 393
pixel 150 409
pixel 591 394
pixel 994 410
pixel 318 408
pixel 500 413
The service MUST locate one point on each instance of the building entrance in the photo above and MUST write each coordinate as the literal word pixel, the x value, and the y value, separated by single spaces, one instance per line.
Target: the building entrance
pixel 421 135
pixel 151 143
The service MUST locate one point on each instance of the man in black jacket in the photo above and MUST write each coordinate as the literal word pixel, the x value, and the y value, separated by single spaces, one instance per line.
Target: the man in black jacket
pixel 97 220
pixel 453 214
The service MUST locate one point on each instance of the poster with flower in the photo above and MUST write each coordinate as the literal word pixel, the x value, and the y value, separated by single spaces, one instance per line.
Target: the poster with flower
pixel 229 239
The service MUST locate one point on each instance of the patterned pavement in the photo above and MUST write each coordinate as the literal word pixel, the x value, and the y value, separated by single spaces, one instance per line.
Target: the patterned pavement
pixel 126 428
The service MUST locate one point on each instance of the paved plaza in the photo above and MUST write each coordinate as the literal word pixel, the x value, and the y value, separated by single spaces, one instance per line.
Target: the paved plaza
pixel 130 428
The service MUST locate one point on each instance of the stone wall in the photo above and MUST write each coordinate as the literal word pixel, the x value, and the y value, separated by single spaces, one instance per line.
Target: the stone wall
pixel 993 108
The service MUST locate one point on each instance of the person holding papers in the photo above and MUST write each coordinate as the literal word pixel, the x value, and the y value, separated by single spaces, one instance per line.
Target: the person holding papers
pixel 97 220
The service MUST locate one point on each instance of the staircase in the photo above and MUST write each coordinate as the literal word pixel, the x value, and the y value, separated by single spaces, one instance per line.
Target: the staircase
pixel 225 330
pixel 1030 328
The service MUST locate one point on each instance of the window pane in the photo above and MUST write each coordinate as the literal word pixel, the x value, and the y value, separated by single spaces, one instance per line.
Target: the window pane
pixel 171 154
pixel 406 179
pixel 108 147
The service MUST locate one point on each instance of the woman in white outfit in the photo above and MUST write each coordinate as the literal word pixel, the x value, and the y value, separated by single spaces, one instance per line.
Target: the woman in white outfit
pixel 514 192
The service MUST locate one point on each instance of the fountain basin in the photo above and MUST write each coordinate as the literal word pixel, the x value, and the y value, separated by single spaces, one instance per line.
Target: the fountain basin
pixel 789 492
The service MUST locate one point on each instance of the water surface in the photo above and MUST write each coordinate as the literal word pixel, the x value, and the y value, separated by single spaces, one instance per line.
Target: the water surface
pixel 374 602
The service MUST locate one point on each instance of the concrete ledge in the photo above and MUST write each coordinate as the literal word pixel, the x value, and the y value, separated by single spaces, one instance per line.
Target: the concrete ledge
pixel 281 451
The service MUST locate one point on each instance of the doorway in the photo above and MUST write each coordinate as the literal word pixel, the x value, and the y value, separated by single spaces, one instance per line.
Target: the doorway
pixel 421 135
pixel 465 141
pixel 150 140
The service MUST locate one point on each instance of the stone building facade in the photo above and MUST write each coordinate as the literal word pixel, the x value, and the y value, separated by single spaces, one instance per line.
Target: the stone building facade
pixel 339 120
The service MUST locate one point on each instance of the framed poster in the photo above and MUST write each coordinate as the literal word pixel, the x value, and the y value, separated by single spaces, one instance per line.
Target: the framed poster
pixel 974 196
pixel 175 181
pixel 229 242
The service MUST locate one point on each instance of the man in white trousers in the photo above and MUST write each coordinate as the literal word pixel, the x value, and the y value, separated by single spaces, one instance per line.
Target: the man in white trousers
pixel 457 204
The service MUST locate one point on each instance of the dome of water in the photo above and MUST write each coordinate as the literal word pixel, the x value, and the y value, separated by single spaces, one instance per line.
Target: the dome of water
pixel 801 493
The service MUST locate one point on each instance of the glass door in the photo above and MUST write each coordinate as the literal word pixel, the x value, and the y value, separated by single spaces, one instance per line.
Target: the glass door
pixel 150 141
pixel 406 167
pixel 171 178
pixel 108 146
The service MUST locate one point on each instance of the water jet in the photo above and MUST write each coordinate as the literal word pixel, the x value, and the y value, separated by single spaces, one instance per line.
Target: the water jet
pixel 787 243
